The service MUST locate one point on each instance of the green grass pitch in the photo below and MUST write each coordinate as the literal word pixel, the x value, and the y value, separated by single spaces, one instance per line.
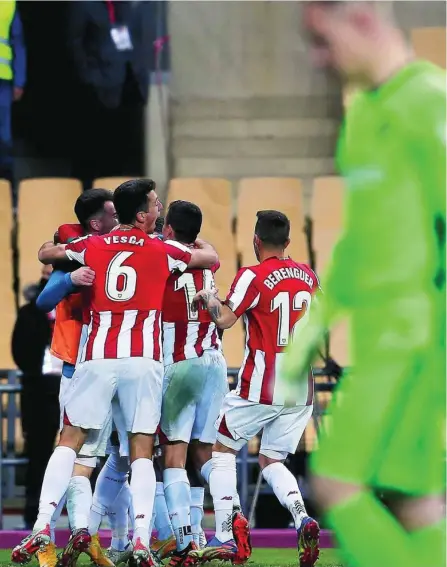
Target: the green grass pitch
pixel 260 558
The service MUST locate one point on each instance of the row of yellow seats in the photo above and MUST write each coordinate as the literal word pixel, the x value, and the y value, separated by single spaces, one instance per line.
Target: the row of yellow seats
pixel 212 195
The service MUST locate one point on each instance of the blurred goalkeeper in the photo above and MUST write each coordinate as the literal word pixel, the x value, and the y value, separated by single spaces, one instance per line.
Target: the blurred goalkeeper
pixel 386 430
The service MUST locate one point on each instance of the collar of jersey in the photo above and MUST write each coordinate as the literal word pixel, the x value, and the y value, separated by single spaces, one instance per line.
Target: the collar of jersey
pixel 399 78
pixel 275 258
pixel 127 228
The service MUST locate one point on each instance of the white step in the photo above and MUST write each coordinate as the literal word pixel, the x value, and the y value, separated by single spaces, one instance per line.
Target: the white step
pixel 311 147
pixel 253 167
pixel 261 128
pixel 257 108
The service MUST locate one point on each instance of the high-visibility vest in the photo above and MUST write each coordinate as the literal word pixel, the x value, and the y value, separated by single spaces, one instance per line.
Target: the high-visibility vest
pixel 7 10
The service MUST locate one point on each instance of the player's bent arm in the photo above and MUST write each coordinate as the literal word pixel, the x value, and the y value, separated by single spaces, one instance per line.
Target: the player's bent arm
pixel 203 257
pixel 50 253
pixel 220 313
pixel 58 287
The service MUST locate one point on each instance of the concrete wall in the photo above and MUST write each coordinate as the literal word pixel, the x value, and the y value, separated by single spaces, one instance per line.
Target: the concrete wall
pixel 245 100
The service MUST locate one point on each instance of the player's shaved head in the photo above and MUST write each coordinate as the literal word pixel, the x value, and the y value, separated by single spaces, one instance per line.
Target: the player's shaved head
pixel 272 228
pixel 90 205
pixel 185 220
pixel 131 198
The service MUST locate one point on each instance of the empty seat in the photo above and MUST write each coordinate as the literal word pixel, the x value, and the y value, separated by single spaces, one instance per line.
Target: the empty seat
pixel 214 197
pixel 44 204
pixel 282 194
pixel 326 214
pixel 430 44
pixel 233 345
pixel 6 281
pixel 110 183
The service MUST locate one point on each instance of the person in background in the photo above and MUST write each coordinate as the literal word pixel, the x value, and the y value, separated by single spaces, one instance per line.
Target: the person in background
pixel 12 79
pixel 41 374
pixel 110 45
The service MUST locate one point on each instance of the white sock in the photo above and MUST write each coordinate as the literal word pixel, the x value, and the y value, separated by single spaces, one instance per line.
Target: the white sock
pixel 236 501
pixel 206 469
pixel 142 488
pixel 55 517
pixel 151 526
pixel 223 487
pixel 55 483
pixel 162 522
pixel 285 487
pixel 197 497
pixel 119 518
pixel 110 481
pixel 178 501
pixel 79 502
pixel 131 513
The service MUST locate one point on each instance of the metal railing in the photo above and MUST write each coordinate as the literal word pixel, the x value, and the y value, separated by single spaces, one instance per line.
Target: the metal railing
pixel 10 461
pixel 244 461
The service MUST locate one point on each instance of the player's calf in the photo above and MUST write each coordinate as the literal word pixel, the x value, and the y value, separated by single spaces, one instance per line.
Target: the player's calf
pixel 178 500
pixel 285 487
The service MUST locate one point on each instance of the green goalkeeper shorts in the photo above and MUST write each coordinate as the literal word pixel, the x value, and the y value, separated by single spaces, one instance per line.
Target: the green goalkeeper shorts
pixel 386 424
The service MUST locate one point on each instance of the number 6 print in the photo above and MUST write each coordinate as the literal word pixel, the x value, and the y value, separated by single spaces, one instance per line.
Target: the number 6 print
pixel 129 282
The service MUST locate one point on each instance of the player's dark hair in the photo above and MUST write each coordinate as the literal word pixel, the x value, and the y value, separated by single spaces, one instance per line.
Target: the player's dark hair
pixel 130 198
pixel 272 228
pixel 185 218
pixel 90 204
pixel 159 223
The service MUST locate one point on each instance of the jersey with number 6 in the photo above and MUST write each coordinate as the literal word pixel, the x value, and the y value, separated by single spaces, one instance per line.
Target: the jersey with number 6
pixel 131 271
pixel 187 333
pixel 273 298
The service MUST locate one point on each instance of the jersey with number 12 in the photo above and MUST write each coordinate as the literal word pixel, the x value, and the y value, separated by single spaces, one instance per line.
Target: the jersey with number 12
pixel 125 302
pixel 273 297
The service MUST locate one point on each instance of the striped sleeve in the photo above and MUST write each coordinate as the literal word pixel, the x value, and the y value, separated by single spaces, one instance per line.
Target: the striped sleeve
pixel 178 254
pixel 76 249
pixel 243 293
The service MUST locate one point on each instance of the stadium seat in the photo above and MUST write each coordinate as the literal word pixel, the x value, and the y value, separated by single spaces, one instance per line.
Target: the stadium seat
pixel 326 214
pixel 233 345
pixel 6 281
pixel 430 44
pixel 214 197
pixel 110 183
pixel 282 194
pixel 44 204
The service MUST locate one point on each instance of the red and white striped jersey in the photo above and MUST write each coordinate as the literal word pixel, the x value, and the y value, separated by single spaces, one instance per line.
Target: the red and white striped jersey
pixel 187 333
pixel 273 297
pixel 125 301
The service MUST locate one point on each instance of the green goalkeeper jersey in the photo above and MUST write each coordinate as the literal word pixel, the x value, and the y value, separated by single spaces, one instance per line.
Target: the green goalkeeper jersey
pixel 391 153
